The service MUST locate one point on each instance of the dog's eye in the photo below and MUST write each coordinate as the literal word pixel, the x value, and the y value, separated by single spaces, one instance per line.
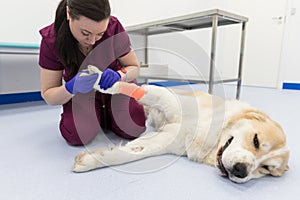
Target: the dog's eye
pixel 266 167
pixel 228 142
pixel 255 141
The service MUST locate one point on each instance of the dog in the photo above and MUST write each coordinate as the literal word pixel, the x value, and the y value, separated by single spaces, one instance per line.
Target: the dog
pixel 242 142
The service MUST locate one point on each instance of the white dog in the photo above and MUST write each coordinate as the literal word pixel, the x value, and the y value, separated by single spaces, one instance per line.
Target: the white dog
pixel 242 142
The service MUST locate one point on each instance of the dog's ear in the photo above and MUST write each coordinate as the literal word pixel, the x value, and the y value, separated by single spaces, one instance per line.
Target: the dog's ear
pixel 275 166
pixel 255 114
pixel 250 114
pixel 279 171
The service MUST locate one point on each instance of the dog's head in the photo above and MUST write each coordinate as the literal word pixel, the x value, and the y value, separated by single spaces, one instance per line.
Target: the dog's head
pixel 251 146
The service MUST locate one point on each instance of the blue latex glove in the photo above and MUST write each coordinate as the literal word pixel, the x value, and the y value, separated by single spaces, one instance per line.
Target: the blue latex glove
pixel 81 83
pixel 108 78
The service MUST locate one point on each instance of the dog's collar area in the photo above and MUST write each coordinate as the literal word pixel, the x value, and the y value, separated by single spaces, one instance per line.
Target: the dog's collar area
pixel 219 157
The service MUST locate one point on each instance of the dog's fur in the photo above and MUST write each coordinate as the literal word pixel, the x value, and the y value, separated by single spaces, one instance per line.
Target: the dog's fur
pixel 242 142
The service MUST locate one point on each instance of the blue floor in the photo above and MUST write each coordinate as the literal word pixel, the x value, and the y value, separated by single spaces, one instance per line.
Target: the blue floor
pixel 36 161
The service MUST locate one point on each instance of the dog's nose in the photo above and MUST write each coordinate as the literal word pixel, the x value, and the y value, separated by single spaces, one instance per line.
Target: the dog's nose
pixel 239 170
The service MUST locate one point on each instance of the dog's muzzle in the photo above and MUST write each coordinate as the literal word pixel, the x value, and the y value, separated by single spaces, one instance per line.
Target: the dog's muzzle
pixel 238 170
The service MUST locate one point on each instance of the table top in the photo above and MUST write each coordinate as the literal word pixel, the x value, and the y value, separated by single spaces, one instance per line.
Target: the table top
pixel 188 78
pixel 186 22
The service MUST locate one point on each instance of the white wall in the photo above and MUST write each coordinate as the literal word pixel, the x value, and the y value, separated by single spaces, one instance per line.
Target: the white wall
pixel 263 38
pixel 21 20
pixel 139 11
pixel 19 73
pixel 185 53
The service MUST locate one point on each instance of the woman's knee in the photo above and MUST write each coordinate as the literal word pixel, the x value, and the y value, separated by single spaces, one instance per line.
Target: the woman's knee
pixel 77 135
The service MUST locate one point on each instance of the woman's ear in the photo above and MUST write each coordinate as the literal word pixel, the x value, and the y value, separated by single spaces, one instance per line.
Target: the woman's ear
pixel 68 12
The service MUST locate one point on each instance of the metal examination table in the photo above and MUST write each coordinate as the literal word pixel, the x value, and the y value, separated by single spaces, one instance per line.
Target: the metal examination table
pixel 206 19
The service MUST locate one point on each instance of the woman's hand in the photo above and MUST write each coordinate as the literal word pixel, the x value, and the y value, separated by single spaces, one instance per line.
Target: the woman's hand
pixel 108 78
pixel 83 82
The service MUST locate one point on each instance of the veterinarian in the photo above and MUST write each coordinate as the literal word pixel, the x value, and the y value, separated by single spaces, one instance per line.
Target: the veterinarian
pixel 85 33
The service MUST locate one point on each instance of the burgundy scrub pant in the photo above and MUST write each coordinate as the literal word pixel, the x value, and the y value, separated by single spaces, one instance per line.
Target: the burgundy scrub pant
pixel 85 114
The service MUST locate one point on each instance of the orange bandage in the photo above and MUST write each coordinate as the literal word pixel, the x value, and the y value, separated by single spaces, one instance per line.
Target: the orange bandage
pixel 132 90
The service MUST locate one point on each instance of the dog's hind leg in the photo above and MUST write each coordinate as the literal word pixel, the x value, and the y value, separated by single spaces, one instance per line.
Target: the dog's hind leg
pixel 152 144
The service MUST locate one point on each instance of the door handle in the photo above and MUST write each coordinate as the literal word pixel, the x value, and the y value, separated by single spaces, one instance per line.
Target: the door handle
pixel 278 20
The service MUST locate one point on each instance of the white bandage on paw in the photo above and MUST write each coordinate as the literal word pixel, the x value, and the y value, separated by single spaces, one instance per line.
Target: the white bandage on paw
pixel 112 90
pixel 94 70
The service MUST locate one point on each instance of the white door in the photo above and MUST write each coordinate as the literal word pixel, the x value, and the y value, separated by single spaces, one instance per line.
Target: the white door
pixel 264 36
pixel 290 70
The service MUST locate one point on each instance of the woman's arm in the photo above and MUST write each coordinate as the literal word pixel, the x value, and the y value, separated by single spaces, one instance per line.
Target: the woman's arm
pixel 52 89
pixel 131 63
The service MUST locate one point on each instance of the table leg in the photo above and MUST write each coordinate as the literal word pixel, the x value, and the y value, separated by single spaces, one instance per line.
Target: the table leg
pixel 146 50
pixel 212 53
pixel 239 82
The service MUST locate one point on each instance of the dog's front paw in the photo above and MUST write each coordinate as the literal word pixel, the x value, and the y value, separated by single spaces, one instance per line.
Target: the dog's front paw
pixel 85 161
pixel 114 89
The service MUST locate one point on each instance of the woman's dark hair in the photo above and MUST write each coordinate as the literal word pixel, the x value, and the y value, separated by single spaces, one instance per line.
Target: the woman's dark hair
pixel 66 44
